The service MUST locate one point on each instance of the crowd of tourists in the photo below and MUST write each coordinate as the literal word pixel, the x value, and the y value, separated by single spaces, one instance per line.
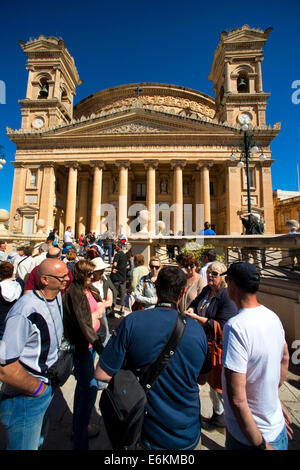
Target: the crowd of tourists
pixel 70 289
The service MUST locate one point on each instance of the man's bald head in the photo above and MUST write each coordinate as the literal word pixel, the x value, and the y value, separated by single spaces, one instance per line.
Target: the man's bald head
pixel 54 252
pixel 51 266
pixel 53 276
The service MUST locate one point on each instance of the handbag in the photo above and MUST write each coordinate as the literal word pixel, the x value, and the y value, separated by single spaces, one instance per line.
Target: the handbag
pixel 139 305
pixel 123 403
pixel 215 345
pixel 61 370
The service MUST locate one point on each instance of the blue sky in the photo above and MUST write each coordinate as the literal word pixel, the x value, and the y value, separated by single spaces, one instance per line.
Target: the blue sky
pixel 130 41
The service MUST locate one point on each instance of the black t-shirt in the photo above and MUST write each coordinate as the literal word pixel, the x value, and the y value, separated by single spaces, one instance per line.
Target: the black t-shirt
pixel 121 259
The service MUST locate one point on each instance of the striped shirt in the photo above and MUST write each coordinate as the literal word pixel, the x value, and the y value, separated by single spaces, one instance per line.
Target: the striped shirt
pixel 29 336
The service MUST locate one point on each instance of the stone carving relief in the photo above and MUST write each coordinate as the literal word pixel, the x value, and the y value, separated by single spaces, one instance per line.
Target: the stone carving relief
pixel 163 185
pixel 166 104
pixel 132 129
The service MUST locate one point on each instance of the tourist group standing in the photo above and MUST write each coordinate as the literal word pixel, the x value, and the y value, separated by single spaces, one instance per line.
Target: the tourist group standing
pixel 70 289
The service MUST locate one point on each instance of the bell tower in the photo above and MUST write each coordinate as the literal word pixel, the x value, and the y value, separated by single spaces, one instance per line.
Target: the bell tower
pixel 51 87
pixel 237 76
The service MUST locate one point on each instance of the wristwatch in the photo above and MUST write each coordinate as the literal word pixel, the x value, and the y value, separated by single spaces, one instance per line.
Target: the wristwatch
pixel 261 446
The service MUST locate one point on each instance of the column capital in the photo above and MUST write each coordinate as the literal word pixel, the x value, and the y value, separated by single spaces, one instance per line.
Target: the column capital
pixel 122 163
pixel 97 164
pixel 204 164
pixel 72 164
pixel 47 165
pixel 178 163
pixel 151 164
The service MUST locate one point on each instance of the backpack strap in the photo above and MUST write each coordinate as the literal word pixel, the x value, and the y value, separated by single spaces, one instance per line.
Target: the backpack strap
pixel 152 371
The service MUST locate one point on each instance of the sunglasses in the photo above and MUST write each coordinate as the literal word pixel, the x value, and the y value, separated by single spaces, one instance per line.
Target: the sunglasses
pixel 214 273
pixel 59 278
pixel 90 274
pixel 154 267
pixel 189 265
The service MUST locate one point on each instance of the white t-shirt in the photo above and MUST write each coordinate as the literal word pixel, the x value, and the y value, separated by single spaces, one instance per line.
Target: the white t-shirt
pixel 253 345
pixel 68 237
pixel 203 271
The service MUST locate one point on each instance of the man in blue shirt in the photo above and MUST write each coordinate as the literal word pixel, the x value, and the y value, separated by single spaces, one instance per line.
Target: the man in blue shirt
pixel 172 420
pixel 207 230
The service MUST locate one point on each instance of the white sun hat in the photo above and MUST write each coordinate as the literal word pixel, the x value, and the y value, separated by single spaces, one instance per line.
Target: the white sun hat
pixel 99 264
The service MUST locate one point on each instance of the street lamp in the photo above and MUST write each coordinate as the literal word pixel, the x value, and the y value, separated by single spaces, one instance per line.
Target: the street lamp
pixel 249 147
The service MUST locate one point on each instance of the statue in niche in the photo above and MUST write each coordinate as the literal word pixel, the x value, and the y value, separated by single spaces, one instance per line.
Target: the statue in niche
pixel 164 186
pixel 186 187
pixel 16 222
pixel 115 184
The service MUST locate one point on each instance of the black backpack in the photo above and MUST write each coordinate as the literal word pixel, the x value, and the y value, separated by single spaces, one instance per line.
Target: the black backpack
pixel 123 403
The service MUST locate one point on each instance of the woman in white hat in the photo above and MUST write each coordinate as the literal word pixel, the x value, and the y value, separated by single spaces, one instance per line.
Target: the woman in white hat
pixel 107 292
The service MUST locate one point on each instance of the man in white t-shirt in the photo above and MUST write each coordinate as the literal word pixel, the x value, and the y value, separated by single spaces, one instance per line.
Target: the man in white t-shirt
pixel 68 237
pixel 255 359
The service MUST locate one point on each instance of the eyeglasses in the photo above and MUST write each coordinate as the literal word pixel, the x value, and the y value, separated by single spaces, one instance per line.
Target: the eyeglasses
pixel 59 278
pixel 154 267
pixel 90 274
pixel 189 265
pixel 214 273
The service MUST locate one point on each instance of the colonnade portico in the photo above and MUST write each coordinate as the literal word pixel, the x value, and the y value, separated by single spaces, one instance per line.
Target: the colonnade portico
pixel 85 185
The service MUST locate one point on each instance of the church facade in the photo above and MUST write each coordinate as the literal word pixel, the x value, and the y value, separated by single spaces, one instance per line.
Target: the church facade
pixel 149 146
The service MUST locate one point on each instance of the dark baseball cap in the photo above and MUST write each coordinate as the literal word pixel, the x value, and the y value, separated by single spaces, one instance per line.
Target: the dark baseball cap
pixel 243 274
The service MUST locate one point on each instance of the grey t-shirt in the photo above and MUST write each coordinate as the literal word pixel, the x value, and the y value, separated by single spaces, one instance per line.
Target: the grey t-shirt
pixel 29 334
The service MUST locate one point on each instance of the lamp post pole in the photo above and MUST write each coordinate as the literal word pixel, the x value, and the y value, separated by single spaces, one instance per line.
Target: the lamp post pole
pixel 247 154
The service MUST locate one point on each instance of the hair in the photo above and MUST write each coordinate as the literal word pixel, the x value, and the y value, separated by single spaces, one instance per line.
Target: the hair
pixel 2 242
pixel 220 268
pixel 154 258
pixel 71 254
pixel 179 258
pixel 139 260
pixel 43 247
pixel 81 270
pixel 210 253
pixel 170 282
pixel 92 253
pixel 20 248
pixel 6 270
pixel 189 258
pixel 206 224
pixel 28 250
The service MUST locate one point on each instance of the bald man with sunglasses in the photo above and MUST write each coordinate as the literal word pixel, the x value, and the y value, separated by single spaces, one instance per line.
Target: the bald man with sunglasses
pixel 29 347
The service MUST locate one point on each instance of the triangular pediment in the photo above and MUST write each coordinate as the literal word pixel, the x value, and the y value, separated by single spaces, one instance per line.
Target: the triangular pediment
pixel 246 34
pixel 138 122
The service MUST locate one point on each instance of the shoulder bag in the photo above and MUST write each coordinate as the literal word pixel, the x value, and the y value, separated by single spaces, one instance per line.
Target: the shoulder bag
pixel 123 402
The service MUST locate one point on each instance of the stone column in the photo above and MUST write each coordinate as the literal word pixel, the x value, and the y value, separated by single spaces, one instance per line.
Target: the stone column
pixel 177 166
pixel 227 77
pixel 123 166
pixel 71 195
pixel 267 197
pixel 151 166
pixel 47 197
pixel 18 191
pixel 82 219
pixel 96 196
pixel 233 199
pixel 205 188
pixel 259 86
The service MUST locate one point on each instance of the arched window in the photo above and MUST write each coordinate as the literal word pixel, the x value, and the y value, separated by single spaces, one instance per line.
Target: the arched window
pixel 243 82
